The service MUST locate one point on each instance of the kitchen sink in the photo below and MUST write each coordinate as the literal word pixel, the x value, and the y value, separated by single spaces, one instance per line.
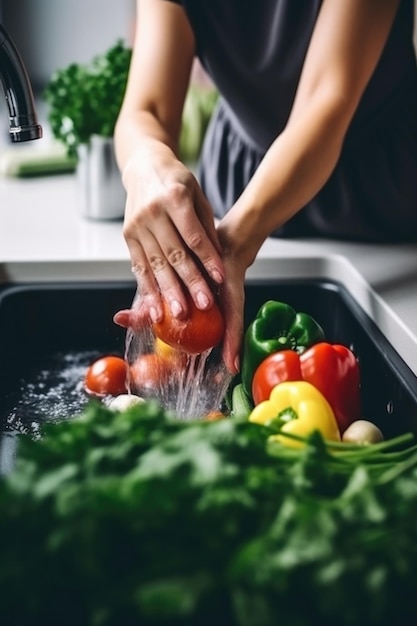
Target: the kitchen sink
pixel 50 333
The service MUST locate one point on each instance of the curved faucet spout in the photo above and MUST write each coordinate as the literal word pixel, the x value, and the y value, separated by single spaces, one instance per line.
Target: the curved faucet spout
pixel 23 122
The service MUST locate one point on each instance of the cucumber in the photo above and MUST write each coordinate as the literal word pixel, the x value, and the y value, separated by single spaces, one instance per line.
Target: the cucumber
pixel 241 404
pixel 23 162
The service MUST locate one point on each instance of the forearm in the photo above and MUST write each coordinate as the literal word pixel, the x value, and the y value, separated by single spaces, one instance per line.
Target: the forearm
pixel 294 169
pixel 151 113
pixel 345 47
pixel 139 132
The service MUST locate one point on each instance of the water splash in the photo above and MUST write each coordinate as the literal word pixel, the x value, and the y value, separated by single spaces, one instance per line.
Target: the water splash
pixel 196 384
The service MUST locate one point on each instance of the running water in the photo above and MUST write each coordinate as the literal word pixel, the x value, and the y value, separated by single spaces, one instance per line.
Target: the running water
pixel 201 386
pixel 196 384
pixel 54 390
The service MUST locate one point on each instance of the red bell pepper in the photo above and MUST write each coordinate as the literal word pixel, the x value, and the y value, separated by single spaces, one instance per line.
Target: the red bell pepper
pixel 332 368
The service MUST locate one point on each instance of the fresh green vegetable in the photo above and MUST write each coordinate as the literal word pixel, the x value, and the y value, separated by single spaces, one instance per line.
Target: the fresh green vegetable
pixel 85 100
pixel 277 326
pixel 29 162
pixel 241 406
pixel 136 517
pixel 198 108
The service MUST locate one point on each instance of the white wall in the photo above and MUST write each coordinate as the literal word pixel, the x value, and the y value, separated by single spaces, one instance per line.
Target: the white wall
pixel 53 33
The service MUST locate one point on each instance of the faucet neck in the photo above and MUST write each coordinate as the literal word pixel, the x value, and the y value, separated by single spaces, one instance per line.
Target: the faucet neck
pixel 23 123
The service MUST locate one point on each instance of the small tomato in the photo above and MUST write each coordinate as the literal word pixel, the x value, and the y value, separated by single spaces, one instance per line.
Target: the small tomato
pixel 106 376
pixel 196 334
pixel 150 371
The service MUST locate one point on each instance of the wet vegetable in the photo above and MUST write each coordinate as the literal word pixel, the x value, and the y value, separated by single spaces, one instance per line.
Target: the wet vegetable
pixel 106 376
pixel 124 401
pixel 200 331
pixel 150 372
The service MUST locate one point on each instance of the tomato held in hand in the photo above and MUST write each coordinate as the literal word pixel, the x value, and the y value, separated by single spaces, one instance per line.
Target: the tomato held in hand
pixel 196 334
pixel 106 376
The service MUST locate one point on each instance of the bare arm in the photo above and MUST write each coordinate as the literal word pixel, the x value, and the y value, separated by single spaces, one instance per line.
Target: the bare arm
pixel 158 79
pixel 345 47
pixel 347 42
pixel 169 225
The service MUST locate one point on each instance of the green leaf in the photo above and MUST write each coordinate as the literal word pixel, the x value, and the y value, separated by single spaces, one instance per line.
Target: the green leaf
pixel 84 100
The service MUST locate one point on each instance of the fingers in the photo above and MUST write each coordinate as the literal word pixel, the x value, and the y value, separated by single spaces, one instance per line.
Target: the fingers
pixel 171 248
pixel 232 303
pixel 136 317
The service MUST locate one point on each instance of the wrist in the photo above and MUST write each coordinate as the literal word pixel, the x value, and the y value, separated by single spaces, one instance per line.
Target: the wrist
pixel 240 235
pixel 147 151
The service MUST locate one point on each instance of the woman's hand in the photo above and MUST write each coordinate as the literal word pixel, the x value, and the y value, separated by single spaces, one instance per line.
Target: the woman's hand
pixel 174 246
pixel 230 297
pixel 170 232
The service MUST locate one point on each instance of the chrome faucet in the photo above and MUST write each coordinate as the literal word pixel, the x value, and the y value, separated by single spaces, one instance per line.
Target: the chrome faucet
pixel 23 122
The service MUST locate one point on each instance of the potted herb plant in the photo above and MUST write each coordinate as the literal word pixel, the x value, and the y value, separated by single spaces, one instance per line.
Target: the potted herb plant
pixel 84 101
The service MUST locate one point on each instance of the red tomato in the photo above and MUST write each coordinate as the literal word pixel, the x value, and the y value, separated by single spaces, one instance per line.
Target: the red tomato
pixel 106 376
pixel 196 334
pixel 150 371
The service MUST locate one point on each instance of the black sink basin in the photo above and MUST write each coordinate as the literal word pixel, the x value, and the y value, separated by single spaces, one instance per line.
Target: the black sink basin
pixel 49 333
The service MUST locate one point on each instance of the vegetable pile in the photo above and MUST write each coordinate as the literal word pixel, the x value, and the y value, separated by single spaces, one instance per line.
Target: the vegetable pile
pixel 291 373
pixel 135 517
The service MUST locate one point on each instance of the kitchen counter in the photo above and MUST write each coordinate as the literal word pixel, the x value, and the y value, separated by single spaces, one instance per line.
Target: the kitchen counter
pixel 43 238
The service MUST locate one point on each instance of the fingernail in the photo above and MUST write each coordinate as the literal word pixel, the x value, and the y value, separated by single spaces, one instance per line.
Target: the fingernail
pixel 203 300
pixel 176 308
pixel 121 318
pixel 237 364
pixel 217 277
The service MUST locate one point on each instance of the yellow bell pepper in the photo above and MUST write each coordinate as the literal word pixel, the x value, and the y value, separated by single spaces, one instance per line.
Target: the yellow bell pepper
pixel 300 408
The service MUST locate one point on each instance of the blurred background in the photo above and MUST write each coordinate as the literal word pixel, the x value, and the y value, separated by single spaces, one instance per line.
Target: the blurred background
pixel 53 33
pixel 50 34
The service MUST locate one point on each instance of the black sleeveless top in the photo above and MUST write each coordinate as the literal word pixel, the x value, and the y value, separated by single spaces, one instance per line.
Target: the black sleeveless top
pixel 254 52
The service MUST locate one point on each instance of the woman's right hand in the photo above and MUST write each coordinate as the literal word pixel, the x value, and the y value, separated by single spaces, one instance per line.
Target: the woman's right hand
pixel 170 232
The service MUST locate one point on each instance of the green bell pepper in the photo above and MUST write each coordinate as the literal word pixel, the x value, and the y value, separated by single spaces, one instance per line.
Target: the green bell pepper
pixel 277 326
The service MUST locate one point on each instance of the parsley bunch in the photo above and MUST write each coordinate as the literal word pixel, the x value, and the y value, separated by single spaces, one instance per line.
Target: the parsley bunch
pixel 85 99
pixel 140 518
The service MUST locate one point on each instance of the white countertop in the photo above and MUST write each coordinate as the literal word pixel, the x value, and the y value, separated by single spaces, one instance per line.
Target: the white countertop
pixel 43 238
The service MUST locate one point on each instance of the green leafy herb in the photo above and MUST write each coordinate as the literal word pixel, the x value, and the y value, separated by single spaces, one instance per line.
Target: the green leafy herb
pixel 140 518
pixel 85 99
